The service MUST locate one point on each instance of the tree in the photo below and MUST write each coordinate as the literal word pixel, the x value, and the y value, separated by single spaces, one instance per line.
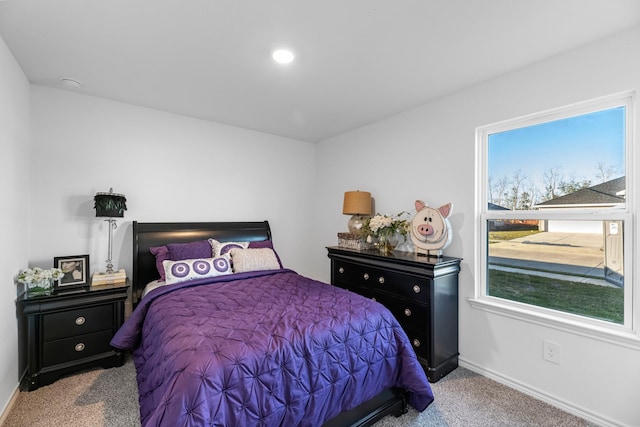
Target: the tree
pixel 551 181
pixel 525 201
pixel 605 172
pixel 574 185
pixel 514 200
pixel 498 190
pixel 521 193
pixel 555 184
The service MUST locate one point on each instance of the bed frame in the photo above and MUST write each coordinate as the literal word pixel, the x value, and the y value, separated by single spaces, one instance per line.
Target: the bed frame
pixel 148 234
pixel 145 235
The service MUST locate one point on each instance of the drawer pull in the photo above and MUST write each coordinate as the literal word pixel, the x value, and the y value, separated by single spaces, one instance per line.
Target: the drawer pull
pixel 407 312
pixel 79 347
pixel 416 343
pixel 341 270
pixel 416 289
pixel 381 280
pixel 366 276
pixel 80 320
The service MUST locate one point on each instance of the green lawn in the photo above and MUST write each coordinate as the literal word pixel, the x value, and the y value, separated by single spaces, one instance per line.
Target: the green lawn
pixel 495 236
pixel 594 301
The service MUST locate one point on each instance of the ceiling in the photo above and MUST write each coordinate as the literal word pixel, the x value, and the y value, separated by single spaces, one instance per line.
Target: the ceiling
pixel 357 61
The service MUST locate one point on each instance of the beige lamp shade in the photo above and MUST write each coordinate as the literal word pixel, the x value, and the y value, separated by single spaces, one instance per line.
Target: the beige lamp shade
pixel 358 204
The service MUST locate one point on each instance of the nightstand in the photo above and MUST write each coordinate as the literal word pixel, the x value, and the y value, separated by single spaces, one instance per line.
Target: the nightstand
pixel 68 331
pixel 420 291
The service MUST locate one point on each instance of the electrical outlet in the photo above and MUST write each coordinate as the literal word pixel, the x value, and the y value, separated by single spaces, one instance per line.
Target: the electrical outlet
pixel 551 351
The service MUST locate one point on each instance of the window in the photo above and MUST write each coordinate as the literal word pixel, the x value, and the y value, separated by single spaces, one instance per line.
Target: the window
pixel 555 213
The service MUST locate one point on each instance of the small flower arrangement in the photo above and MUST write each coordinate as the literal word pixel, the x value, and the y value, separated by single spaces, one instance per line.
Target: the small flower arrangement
pixel 37 277
pixel 383 228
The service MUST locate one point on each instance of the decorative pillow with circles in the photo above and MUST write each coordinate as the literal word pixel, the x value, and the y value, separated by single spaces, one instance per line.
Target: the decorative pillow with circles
pixel 191 269
pixel 223 248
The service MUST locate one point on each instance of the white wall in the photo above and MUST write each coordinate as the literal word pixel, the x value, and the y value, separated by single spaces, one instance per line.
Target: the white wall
pixel 429 153
pixel 14 176
pixel 170 167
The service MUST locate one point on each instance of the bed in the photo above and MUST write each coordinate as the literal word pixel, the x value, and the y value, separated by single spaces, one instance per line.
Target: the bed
pixel 261 345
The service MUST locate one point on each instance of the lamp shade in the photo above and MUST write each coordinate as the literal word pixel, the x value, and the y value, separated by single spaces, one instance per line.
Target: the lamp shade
pixel 357 203
pixel 110 204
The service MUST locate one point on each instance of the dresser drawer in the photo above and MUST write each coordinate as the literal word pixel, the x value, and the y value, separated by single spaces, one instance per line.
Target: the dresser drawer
pixel 415 321
pixel 74 348
pixel 419 343
pixel 77 322
pixel 401 284
pixel 421 292
pixel 408 314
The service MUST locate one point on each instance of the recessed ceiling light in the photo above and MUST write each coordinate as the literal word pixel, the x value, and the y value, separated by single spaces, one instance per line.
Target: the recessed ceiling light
pixel 282 56
pixel 70 83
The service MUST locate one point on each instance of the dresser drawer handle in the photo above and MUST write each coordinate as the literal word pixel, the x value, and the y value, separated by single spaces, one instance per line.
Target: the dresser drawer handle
pixel 381 280
pixel 79 347
pixel 416 289
pixel 341 270
pixel 366 276
pixel 80 320
pixel 407 312
pixel 416 343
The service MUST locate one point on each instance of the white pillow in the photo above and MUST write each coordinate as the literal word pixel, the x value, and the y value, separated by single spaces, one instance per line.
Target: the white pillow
pixel 191 269
pixel 254 259
pixel 223 248
pixel 152 285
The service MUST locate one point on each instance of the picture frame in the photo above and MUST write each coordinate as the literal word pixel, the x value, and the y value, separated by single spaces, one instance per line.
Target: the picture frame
pixel 75 269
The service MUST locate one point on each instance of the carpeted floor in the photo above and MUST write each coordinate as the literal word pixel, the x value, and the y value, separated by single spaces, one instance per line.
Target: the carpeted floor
pixel 110 398
pixel 100 397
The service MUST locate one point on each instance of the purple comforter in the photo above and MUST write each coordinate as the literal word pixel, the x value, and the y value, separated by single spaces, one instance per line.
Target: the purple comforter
pixel 266 348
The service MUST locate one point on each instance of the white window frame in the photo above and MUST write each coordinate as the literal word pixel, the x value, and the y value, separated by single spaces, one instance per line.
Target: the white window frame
pixel 627 333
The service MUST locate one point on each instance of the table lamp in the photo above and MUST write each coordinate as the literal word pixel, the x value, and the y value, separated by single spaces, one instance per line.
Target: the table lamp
pixel 357 204
pixel 110 205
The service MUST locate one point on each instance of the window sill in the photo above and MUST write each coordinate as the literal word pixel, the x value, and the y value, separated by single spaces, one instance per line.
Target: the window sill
pixel 614 335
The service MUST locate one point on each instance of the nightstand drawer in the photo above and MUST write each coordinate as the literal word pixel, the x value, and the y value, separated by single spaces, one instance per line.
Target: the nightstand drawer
pixel 404 285
pixel 76 322
pixel 77 347
pixel 68 331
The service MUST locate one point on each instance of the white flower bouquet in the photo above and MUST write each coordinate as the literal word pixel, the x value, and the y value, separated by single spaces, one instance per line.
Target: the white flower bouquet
pixel 382 229
pixel 38 279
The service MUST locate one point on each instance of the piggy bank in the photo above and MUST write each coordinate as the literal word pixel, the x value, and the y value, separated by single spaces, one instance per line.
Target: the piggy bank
pixel 430 229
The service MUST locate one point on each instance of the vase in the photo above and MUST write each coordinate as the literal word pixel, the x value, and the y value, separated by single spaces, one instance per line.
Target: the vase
pixel 44 287
pixel 387 242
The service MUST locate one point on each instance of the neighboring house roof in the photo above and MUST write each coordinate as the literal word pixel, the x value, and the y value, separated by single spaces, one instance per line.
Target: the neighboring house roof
pixel 606 194
pixel 494 207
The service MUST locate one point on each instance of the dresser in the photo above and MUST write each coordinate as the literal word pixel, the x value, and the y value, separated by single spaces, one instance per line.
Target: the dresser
pixel 420 291
pixel 68 331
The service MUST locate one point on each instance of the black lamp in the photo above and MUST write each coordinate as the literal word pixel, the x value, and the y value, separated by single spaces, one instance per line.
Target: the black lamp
pixel 110 205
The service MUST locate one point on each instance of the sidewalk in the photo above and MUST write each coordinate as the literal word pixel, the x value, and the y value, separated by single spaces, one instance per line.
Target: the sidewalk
pixel 554 255
pixel 526 264
pixel 572 273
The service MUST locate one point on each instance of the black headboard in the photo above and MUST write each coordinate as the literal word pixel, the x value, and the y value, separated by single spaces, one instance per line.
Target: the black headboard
pixel 148 234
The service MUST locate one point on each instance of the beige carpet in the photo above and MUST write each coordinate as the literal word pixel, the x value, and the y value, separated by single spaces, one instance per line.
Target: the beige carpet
pixel 100 397
pixel 110 398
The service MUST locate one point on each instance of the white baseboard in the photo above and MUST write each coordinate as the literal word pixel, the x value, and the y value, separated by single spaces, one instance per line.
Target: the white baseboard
pixel 7 408
pixel 539 394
